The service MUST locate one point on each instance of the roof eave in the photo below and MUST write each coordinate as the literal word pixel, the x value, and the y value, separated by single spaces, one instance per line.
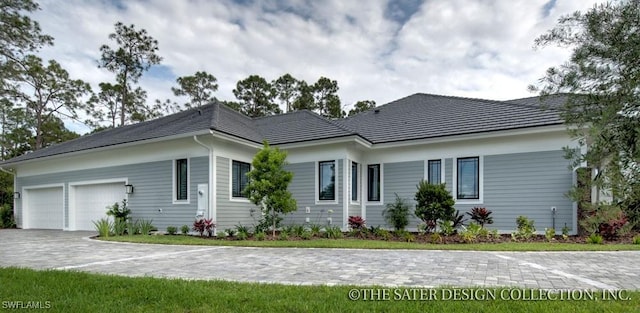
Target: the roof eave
pixel 9 164
pixel 474 135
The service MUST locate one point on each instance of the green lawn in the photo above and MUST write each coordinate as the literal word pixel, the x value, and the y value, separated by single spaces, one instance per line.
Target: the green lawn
pixel 62 291
pixel 374 244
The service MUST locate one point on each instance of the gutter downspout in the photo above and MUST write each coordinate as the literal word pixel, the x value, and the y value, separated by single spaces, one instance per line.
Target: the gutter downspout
pixel 14 190
pixel 212 200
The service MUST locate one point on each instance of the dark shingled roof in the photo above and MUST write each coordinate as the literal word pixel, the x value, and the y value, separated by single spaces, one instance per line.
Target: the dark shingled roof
pixel 418 116
pixel 299 126
pixel 422 116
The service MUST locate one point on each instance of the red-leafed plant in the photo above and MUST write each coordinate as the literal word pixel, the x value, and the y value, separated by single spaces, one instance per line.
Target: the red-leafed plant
pixel 356 222
pixel 209 226
pixel 199 226
pixel 481 216
pixel 611 229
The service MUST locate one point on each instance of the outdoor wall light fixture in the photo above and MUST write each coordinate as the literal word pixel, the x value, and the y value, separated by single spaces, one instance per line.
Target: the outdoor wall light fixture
pixel 16 195
pixel 129 188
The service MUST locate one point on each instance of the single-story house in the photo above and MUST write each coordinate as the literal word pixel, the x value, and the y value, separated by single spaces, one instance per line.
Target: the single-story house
pixel 503 155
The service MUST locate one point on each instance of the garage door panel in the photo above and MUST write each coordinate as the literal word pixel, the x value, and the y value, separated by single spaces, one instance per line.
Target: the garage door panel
pixel 90 202
pixel 44 208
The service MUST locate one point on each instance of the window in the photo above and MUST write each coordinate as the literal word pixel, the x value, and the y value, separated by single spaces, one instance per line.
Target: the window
pixel 468 185
pixel 354 181
pixel 434 172
pixel 373 180
pixel 327 180
pixel 239 178
pixel 182 178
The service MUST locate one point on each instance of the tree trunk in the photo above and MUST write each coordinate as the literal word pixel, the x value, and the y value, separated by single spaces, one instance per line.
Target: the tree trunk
pixel 273 216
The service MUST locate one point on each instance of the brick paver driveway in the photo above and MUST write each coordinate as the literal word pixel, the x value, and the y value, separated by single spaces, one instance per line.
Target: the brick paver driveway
pixel 43 249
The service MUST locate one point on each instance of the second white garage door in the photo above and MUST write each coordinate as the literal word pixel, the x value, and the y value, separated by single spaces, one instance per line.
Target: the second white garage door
pixel 89 202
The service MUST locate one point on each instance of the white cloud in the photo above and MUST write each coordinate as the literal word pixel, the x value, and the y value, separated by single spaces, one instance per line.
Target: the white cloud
pixel 459 47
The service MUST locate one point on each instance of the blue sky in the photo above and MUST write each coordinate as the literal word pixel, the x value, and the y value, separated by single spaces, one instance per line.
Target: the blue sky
pixel 376 50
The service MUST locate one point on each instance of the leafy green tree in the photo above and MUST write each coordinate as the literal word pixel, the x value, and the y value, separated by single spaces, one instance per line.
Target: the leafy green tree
pixel 286 90
pixel 304 99
pixel 362 106
pixel 19 34
pixel 237 106
pixel 433 203
pixel 47 91
pixel 256 96
pixel 268 184
pixel 602 83
pixel 199 87
pixel 327 101
pixel 106 105
pixel 135 53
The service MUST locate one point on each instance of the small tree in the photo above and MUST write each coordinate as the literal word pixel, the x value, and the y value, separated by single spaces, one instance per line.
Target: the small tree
pixel 268 183
pixel 397 213
pixel 433 202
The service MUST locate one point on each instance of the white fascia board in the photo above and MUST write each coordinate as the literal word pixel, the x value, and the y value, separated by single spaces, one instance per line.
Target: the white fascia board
pixel 100 149
pixel 357 140
pixel 453 138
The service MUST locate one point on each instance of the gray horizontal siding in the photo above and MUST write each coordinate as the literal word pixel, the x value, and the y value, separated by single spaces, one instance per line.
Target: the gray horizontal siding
pixel 153 183
pixel 399 178
pixel 231 213
pixel 303 190
pixel 526 184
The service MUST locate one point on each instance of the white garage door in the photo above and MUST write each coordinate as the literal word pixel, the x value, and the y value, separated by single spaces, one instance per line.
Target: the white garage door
pixel 43 208
pixel 89 203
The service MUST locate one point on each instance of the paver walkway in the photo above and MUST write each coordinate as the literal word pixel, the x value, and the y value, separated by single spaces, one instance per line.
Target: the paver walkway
pixel 42 249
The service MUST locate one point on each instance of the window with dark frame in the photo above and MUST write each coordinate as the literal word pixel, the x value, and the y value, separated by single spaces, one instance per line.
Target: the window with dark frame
pixel 354 181
pixel 373 182
pixel 468 180
pixel 182 177
pixel 326 180
pixel 434 169
pixel 239 178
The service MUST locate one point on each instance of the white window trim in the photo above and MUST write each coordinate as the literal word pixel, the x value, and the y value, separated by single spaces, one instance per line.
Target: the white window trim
pixel 231 197
pixel 359 168
pixel 426 170
pixel 316 169
pixel 366 191
pixel 173 182
pixel 454 188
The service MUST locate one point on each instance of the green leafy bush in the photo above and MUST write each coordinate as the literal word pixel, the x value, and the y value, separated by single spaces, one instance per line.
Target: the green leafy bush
pixel 315 229
pixel 446 227
pixel 133 228
pixel 119 227
pixel 471 233
pixel 433 203
pixel 595 239
pixel 260 236
pixel 284 235
pixel 221 234
pixel 636 240
pixel 525 228
pixel 172 230
pixel 397 213
pixel 333 232
pixel 306 235
pixel 104 227
pixel 6 217
pixel 549 234
pixel 242 236
pixel 184 229
pixel 297 230
pixel 435 238
pixel 231 232
pixel 146 226
pixel 242 231
pixel 119 212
